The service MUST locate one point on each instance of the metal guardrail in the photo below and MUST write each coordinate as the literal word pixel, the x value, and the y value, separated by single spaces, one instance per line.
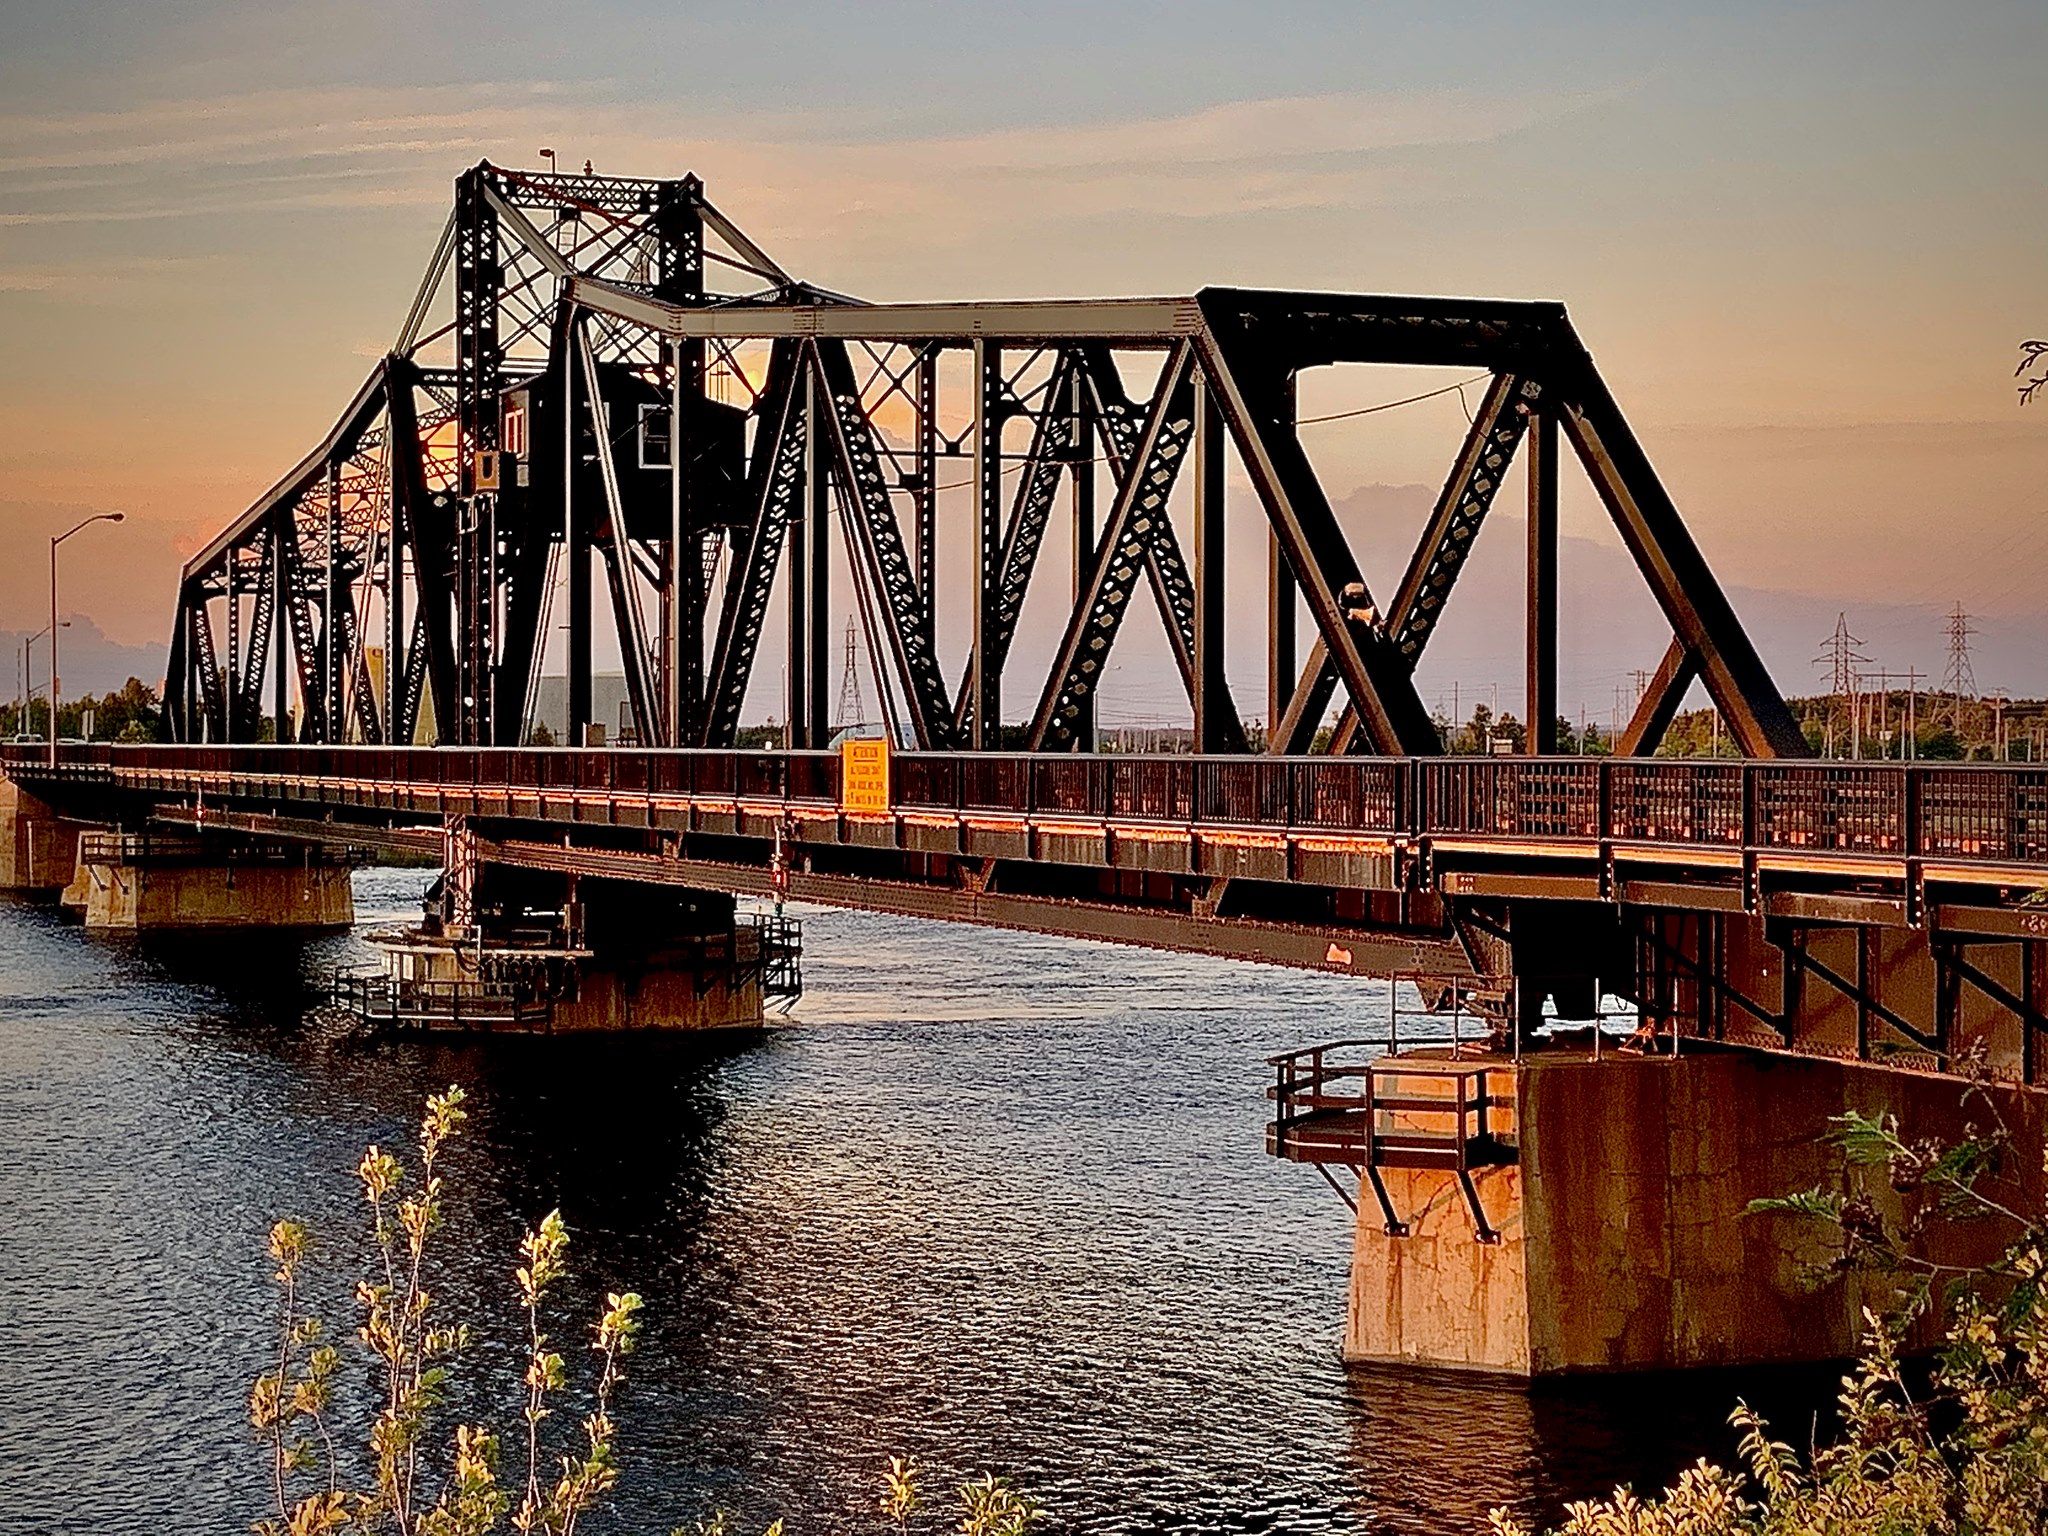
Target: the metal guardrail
pixel 1989 812
pixel 781 944
pixel 1344 1104
pixel 131 849
pixel 382 1001
pixel 1385 1112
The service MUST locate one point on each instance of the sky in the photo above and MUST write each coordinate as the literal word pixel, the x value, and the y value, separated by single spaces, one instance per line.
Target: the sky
pixel 1802 240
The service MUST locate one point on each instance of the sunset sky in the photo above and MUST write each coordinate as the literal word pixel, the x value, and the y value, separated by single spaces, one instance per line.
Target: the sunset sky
pixel 1803 241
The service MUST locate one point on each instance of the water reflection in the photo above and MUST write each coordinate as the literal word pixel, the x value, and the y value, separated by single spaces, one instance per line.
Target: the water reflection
pixel 993 1200
pixel 1436 1451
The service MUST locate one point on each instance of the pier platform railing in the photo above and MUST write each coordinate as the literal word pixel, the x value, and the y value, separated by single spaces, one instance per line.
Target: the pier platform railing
pixel 380 1001
pixel 1346 1104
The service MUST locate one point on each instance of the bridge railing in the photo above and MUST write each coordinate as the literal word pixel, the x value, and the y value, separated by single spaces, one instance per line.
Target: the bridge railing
pixel 1989 812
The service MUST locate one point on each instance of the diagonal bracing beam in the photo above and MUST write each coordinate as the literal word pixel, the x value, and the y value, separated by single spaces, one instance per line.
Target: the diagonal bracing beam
pixel 1248 384
pixel 262 617
pixel 1467 496
pixel 893 581
pixel 612 547
pixel 774 480
pixel 1141 504
pixel 211 688
pixel 1165 567
pixel 430 534
pixel 1030 514
pixel 1693 602
pixel 1658 706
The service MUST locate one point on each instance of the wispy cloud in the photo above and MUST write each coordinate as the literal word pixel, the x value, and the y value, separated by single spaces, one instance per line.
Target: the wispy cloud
pixel 347 148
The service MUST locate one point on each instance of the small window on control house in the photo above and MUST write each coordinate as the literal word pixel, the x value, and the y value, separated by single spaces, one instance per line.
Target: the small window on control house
pixel 654 437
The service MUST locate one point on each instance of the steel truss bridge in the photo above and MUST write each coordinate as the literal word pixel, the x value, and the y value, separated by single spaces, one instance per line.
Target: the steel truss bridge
pixel 593 418
pixel 591 405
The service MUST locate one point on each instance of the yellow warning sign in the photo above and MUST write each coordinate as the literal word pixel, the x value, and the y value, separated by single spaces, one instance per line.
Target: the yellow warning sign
pixel 864 774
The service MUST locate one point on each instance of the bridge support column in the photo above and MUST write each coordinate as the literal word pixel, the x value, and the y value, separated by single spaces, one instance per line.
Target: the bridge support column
pixel 540 952
pixel 135 882
pixel 1622 1236
pixel 38 848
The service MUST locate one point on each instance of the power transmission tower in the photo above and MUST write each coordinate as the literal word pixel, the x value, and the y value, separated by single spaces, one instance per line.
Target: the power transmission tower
pixel 1960 680
pixel 1839 654
pixel 853 710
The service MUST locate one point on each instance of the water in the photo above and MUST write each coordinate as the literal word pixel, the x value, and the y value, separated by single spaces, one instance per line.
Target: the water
pixel 992 1200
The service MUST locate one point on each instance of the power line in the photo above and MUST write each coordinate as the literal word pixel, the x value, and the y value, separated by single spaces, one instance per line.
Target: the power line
pixel 1389 405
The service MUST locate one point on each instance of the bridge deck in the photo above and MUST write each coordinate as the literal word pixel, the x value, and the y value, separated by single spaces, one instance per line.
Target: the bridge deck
pixel 1976 823
pixel 1837 908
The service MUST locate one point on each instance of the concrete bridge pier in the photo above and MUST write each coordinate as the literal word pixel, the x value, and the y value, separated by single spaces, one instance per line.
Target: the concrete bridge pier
pixel 38 847
pixel 1597 1219
pixel 137 881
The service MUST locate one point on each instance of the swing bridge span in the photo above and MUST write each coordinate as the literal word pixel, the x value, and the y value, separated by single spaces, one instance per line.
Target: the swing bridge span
pixel 607 399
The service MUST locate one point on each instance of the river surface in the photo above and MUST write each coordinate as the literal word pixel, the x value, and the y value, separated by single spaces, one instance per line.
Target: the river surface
pixel 993 1201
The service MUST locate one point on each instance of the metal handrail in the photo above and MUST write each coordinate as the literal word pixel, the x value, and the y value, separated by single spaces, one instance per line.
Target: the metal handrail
pixel 1987 811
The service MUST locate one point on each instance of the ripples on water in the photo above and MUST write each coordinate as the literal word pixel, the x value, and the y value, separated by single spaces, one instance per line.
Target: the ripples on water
pixel 994 1200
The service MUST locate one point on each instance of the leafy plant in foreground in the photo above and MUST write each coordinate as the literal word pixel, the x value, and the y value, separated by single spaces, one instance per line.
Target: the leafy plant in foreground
pixel 416 1487
pixel 421 1485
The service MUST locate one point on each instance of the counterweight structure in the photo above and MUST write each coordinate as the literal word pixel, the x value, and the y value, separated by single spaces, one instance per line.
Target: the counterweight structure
pixel 594 406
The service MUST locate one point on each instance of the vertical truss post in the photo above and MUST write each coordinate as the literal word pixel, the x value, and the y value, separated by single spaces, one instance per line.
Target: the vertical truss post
pixel 1083 441
pixel 1866 974
pixel 679 578
pixel 2034 990
pixel 575 550
pixel 281 530
pixel 1280 604
pixel 925 498
pixel 1212 697
pixel 1540 696
pixel 234 689
pixel 330 628
pixel 479 364
pixel 817 523
pixel 395 730
pixel 679 226
pixel 985 679
pixel 690 578
pixel 796 681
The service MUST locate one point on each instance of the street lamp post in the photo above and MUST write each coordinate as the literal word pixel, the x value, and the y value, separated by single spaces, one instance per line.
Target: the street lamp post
pixel 25 693
pixel 101 517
